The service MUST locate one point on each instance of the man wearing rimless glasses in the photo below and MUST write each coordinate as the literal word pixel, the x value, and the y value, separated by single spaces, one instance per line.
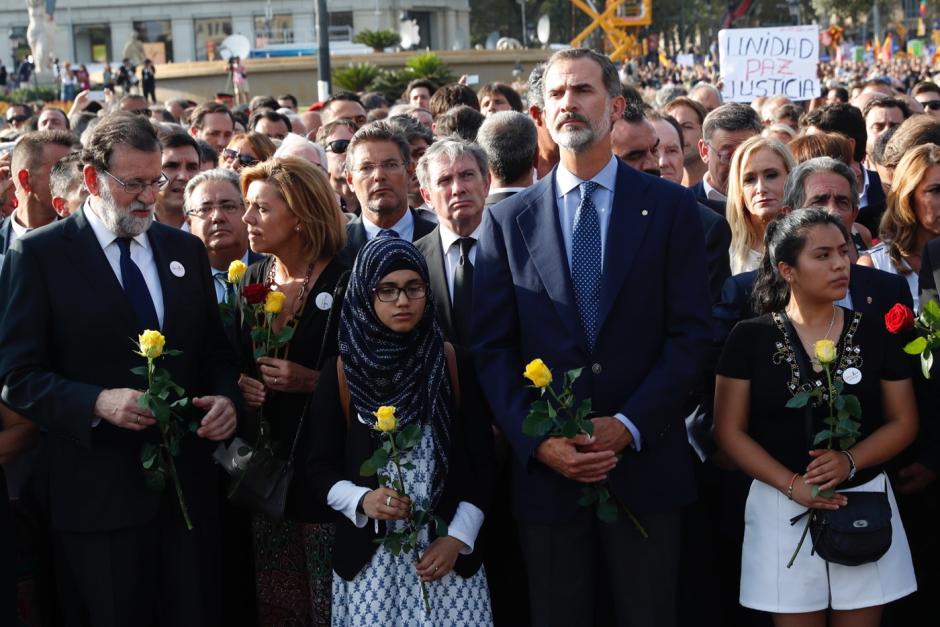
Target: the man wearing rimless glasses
pixel 928 95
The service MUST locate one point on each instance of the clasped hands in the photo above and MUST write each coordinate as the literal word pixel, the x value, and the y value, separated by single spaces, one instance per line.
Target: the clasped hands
pixel 439 559
pixel 587 459
pixel 120 407
pixel 277 374
pixel 828 470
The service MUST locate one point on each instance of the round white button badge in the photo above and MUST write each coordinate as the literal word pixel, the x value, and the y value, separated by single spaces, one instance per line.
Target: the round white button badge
pixel 324 301
pixel 852 376
pixel 177 268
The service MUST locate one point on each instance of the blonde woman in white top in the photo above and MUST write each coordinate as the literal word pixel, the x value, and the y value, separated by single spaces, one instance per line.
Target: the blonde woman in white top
pixel 759 170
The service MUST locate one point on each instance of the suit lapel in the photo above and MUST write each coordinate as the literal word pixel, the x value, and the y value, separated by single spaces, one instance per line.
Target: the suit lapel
pixel 421 226
pixel 87 259
pixel 630 216
pixel 438 271
pixel 169 283
pixel 540 230
pixel 863 297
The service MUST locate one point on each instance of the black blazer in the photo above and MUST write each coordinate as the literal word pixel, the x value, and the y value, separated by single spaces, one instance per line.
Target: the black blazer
pixel 6 234
pixel 338 447
pixel 717 243
pixel 356 236
pixel 718 206
pixel 68 332
pixel 870 214
pixel 492 199
pixel 433 251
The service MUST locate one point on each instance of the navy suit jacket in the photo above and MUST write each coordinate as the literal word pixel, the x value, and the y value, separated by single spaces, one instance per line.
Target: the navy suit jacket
pixel 6 234
pixel 870 214
pixel 652 341
pixel 356 236
pixel 718 206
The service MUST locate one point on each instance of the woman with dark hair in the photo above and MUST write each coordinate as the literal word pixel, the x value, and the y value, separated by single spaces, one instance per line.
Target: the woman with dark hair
pixel 247 149
pixel 392 353
pixel 766 362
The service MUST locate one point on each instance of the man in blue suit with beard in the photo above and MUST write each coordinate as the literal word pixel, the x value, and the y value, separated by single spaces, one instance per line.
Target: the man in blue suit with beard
pixel 602 267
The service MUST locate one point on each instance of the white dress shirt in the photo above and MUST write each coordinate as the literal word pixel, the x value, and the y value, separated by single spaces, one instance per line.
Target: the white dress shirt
pixel 141 254
pixel 404 227
pixel 711 193
pixel 18 230
pixel 568 197
pixel 452 253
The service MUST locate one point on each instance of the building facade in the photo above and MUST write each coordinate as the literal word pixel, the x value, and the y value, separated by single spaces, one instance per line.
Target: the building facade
pixel 97 31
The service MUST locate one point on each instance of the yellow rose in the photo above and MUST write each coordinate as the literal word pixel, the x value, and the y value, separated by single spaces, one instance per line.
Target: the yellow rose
pixel 236 270
pixel 274 302
pixel 825 351
pixel 538 373
pixel 151 344
pixel 385 419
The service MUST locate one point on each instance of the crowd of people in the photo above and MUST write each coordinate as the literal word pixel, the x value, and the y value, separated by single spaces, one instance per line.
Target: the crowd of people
pixel 359 447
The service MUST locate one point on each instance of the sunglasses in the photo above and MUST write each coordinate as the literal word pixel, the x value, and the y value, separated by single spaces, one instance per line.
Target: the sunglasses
pixel 18 118
pixel 932 105
pixel 231 155
pixel 337 146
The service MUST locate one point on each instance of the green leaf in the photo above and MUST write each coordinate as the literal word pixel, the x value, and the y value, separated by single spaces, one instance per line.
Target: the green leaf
pixel 586 427
pixel 174 446
pixel 180 402
pixel 144 400
pixel 822 436
pixel 570 428
pixel 141 370
pixel 830 421
pixel 798 400
pixel 409 437
pixel 172 352
pixel 606 507
pixel 440 527
pixel 380 457
pixel 846 443
pixel 584 409
pixel 842 414
pixel 552 412
pixel 536 424
pixel 931 312
pixel 926 363
pixel 155 479
pixel 367 468
pixel 852 405
pixel 261 351
pixel 160 409
pixel 193 427
pixel 839 403
pixel 916 346
pixel 572 375
pixel 164 394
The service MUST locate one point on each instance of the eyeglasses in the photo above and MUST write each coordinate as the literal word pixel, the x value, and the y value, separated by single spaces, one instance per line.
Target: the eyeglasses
pixel 135 186
pixel 246 160
pixel 227 208
pixel 390 293
pixel 143 112
pixel 390 167
pixel 724 156
pixel 337 146
pixel 932 105
pixel 16 119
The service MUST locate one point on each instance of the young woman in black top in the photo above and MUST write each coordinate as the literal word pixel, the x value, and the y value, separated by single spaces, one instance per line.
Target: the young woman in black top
pixel 765 362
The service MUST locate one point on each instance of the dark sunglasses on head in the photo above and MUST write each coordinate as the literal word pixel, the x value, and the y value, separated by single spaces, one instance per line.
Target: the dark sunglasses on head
pixel 338 146
pixel 245 160
pixel 18 118
pixel 932 105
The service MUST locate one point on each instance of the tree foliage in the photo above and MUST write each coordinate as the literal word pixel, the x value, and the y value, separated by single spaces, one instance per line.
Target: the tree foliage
pixel 378 40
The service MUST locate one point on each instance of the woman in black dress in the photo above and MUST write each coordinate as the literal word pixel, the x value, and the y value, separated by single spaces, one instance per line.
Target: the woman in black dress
pixel 292 215
pixel 765 362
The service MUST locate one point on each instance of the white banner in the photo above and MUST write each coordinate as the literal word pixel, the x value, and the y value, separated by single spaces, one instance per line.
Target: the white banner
pixel 769 62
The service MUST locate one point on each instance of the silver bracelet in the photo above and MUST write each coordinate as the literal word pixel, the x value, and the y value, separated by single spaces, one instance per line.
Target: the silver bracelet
pixel 853 468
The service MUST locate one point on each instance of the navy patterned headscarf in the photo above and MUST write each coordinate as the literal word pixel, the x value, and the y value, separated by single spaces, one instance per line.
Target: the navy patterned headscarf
pixel 384 367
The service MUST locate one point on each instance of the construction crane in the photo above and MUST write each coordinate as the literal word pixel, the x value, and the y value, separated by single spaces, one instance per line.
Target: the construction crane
pixel 620 20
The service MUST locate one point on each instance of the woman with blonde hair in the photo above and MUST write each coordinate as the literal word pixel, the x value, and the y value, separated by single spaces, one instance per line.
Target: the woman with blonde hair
pixel 758 172
pixel 247 149
pixel 912 217
pixel 293 217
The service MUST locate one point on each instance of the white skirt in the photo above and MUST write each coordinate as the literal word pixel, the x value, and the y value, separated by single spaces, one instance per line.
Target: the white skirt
pixel 812 584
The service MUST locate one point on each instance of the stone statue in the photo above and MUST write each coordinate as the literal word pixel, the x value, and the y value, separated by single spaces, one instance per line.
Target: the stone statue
pixel 134 50
pixel 39 34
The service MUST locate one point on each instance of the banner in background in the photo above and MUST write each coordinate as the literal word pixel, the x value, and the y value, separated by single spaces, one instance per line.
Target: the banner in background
pixel 769 62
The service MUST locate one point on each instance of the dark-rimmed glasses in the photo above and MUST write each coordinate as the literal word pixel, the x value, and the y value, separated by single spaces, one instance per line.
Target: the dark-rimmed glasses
pixel 136 186
pixel 390 293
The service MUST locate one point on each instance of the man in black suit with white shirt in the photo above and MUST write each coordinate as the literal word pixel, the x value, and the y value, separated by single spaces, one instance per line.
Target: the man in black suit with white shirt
pixel 78 293
pixel 510 141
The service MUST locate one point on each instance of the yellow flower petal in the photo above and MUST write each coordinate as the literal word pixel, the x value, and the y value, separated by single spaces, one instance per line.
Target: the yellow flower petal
pixel 236 270
pixel 274 302
pixel 825 351
pixel 151 343
pixel 538 373
pixel 385 419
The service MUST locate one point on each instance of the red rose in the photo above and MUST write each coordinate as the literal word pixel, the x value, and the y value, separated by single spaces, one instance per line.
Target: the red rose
pixel 899 318
pixel 255 293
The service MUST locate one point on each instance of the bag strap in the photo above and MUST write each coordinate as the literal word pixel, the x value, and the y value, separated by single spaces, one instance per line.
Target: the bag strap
pixel 451 371
pixel 338 293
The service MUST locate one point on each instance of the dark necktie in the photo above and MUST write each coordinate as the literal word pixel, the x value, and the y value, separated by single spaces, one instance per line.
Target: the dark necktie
pixel 228 290
pixel 136 288
pixel 463 291
pixel 586 261
pixel 388 233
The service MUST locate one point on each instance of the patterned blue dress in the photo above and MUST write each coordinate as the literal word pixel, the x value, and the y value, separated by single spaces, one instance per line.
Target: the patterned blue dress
pixel 387 590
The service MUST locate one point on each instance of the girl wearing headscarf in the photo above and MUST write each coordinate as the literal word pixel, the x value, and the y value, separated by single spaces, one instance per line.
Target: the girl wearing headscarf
pixel 392 353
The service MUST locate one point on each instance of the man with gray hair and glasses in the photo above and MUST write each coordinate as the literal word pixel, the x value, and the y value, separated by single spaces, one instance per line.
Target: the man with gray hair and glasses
pixel 510 141
pixel 724 129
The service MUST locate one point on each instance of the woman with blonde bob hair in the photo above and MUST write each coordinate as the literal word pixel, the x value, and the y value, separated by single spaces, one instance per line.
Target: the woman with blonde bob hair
pixel 293 217
pixel 758 172
pixel 912 217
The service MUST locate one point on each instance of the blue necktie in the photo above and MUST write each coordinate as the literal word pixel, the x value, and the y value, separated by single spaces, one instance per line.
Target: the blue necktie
pixel 136 288
pixel 228 290
pixel 586 261
pixel 388 233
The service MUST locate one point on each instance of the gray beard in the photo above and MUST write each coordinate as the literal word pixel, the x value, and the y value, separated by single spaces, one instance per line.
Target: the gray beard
pixel 583 138
pixel 119 220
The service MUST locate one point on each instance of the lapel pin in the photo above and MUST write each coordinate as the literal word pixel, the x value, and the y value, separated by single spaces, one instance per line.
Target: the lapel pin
pixel 869 300
pixel 324 301
pixel 645 212
pixel 177 268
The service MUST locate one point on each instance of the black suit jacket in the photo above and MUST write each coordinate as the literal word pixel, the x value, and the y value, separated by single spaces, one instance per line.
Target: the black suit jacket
pixel 717 243
pixel 6 234
pixel 68 332
pixel 356 236
pixel 492 199
pixel 433 251
pixel 870 214
pixel 717 206
pixel 338 447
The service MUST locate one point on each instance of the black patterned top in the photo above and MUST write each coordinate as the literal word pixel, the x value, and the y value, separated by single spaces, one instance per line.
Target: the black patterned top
pixel 761 350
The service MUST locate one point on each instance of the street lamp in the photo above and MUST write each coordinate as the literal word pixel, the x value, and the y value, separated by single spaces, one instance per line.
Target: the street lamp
pixel 525 43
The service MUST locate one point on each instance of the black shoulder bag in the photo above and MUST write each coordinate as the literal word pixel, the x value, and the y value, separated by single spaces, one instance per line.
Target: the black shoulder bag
pixel 857 533
pixel 260 481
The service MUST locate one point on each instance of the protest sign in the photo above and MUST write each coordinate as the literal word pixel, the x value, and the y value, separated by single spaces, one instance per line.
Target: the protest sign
pixel 769 62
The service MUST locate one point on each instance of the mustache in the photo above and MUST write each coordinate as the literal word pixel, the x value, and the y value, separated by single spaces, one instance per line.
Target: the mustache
pixel 568 117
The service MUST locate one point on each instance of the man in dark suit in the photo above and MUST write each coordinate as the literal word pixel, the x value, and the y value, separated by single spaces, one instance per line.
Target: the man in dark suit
pixel 77 294
pixel 595 266
pixel 30 164
pixel 377 161
pixel 724 129
pixel 510 141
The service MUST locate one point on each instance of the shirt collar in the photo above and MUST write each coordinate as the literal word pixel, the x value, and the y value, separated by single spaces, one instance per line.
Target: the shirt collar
pixel 710 192
pixel 105 235
pixel 372 229
pixel 244 260
pixel 565 181
pixel 449 238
